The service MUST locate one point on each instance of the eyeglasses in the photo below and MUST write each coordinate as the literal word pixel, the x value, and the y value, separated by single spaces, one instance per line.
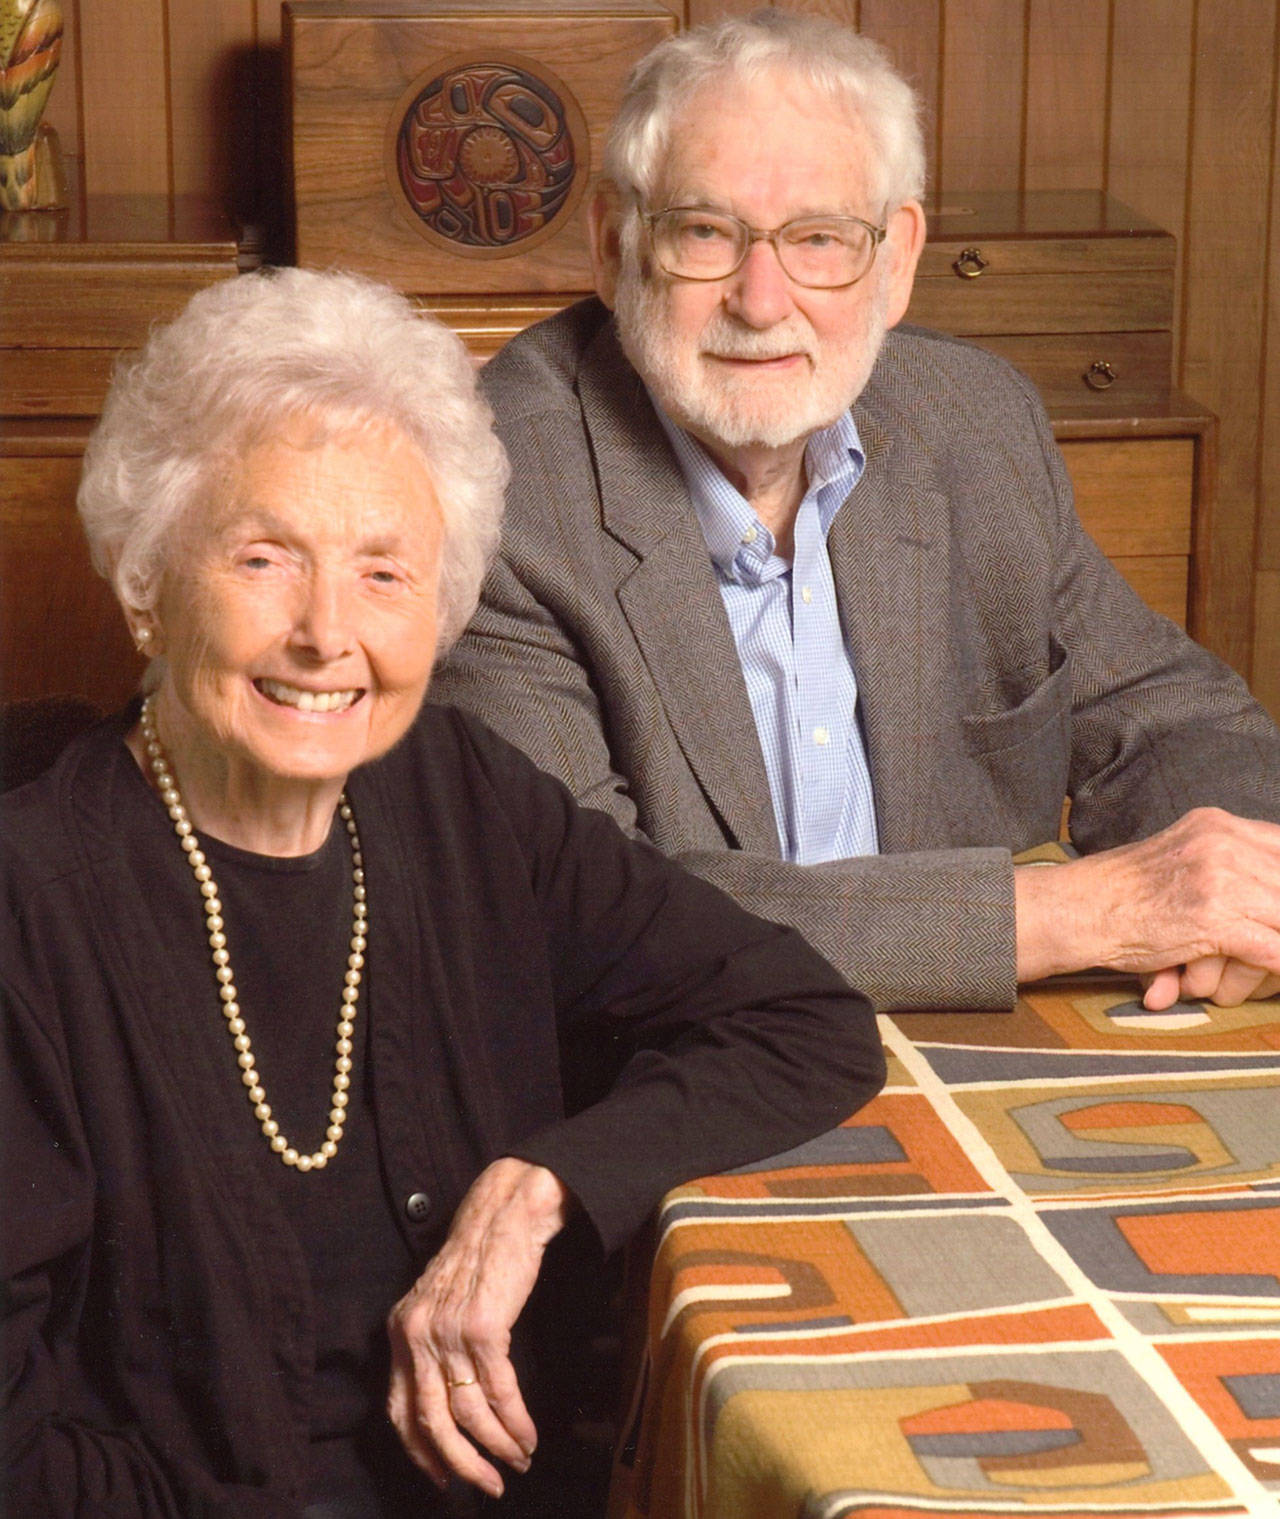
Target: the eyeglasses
pixel 820 252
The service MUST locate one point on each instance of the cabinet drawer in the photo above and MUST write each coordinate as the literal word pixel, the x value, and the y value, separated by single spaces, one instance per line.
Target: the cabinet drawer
pixel 992 248
pixel 57 382
pixel 1089 301
pixel 1134 495
pixel 1162 582
pixel 92 303
pixel 1042 262
pixel 1118 369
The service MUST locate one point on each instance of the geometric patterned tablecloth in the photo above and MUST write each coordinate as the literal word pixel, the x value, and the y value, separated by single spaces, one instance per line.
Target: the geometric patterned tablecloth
pixel 1038 1275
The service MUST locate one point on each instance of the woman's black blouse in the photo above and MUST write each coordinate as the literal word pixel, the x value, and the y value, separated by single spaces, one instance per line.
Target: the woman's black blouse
pixel 186 1316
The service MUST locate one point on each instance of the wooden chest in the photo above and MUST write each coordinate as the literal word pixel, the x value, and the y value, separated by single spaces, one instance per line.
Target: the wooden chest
pixel 1069 285
pixel 448 146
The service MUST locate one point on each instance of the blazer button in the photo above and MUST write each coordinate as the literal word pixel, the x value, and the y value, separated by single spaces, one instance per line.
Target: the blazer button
pixel 418 1206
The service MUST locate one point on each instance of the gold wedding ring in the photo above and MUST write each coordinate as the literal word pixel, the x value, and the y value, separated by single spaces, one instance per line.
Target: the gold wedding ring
pixel 461 1381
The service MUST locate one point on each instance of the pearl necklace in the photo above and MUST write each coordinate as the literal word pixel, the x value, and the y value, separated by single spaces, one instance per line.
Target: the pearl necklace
pixel 231 1011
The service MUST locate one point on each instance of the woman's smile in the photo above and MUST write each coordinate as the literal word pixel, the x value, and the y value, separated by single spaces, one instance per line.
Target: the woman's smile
pixel 305 699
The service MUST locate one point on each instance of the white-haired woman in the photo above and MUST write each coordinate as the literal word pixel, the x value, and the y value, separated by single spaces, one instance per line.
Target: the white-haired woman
pixel 318 1006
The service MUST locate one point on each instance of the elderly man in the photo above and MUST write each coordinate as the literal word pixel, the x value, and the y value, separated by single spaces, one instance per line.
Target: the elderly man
pixel 805 600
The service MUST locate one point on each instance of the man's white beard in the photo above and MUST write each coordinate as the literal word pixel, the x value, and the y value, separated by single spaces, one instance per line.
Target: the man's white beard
pixel 736 410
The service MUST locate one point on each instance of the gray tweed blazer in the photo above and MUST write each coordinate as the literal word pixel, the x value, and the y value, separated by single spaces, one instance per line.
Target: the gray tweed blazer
pixel 1002 663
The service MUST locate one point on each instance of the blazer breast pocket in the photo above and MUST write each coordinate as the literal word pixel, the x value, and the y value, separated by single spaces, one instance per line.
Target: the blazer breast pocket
pixel 1025 753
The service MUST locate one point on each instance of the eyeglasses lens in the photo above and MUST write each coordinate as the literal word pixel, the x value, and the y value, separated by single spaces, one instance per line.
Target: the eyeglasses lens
pixel 821 252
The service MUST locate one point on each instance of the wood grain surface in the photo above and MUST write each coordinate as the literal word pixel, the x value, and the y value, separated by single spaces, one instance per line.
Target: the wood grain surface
pixel 87 651
pixel 1067 66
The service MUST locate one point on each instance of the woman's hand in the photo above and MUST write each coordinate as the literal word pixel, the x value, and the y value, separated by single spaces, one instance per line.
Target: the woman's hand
pixel 451 1334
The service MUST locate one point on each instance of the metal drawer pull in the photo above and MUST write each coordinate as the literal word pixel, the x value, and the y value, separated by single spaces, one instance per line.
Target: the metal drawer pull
pixel 1100 375
pixel 970 264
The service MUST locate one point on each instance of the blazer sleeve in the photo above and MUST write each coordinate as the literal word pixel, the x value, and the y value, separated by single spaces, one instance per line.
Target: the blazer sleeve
pixel 695 1036
pixel 1159 725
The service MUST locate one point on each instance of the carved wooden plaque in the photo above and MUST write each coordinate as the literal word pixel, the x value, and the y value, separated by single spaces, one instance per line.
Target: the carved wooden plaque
pixel 447 147
pixel 489 156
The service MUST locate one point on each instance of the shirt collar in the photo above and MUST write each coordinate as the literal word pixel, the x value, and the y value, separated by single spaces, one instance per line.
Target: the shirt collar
pixel 834 460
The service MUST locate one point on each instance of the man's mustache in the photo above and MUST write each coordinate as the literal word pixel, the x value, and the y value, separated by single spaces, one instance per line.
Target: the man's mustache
pixel 725 341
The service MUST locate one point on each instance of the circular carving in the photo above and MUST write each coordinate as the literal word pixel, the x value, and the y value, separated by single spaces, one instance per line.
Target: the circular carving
pixel 489 154
pixel 488 157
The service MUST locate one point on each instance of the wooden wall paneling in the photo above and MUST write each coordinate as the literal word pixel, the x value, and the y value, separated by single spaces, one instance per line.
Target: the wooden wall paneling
pixel 911 30
pixel 63 109
pixel 266 16
pixel 1224 317
pixel 1266 664
pixel 981 95
pixel 1269 518
pixel 1066 94
pixel 696 12
pixel 845 11
pixel 261 121
pixel 1266 619
pixel 206 43
pixel 1150 114
pixel 124 89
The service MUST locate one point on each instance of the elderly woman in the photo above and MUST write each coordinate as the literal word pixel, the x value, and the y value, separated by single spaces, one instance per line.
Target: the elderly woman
pixel 317 1004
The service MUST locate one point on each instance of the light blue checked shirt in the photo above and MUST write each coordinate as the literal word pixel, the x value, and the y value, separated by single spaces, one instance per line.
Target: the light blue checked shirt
pixel 786 626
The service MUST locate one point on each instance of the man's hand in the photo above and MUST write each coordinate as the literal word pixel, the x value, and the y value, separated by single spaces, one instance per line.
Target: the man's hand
pixel 1196 908
pixel 1212 979
pixel 451 1334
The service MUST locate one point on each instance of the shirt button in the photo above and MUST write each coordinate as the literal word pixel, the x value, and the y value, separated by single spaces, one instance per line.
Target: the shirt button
pixel 806 594
pixel 418 1206
pixel 750 535
pixel 821 736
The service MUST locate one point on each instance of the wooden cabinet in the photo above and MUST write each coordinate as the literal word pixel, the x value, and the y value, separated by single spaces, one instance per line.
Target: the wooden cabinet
pixel 1071 286
pixel 61 631
pixel 1076 290
pixel 77 289
pixel 1144 493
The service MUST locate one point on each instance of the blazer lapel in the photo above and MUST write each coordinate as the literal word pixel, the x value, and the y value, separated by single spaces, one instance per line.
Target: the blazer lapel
pixel 670 597
pixel 890 552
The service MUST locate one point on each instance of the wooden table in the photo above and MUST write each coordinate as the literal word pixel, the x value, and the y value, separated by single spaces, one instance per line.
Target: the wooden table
pixel 1039 1274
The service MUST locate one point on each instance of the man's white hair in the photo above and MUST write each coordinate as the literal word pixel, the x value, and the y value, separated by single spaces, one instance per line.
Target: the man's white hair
pixel 851 71
pixel 245 359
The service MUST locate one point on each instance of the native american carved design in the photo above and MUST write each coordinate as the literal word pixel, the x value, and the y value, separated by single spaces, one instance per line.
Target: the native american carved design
pixel 30 46
pixel 486 156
